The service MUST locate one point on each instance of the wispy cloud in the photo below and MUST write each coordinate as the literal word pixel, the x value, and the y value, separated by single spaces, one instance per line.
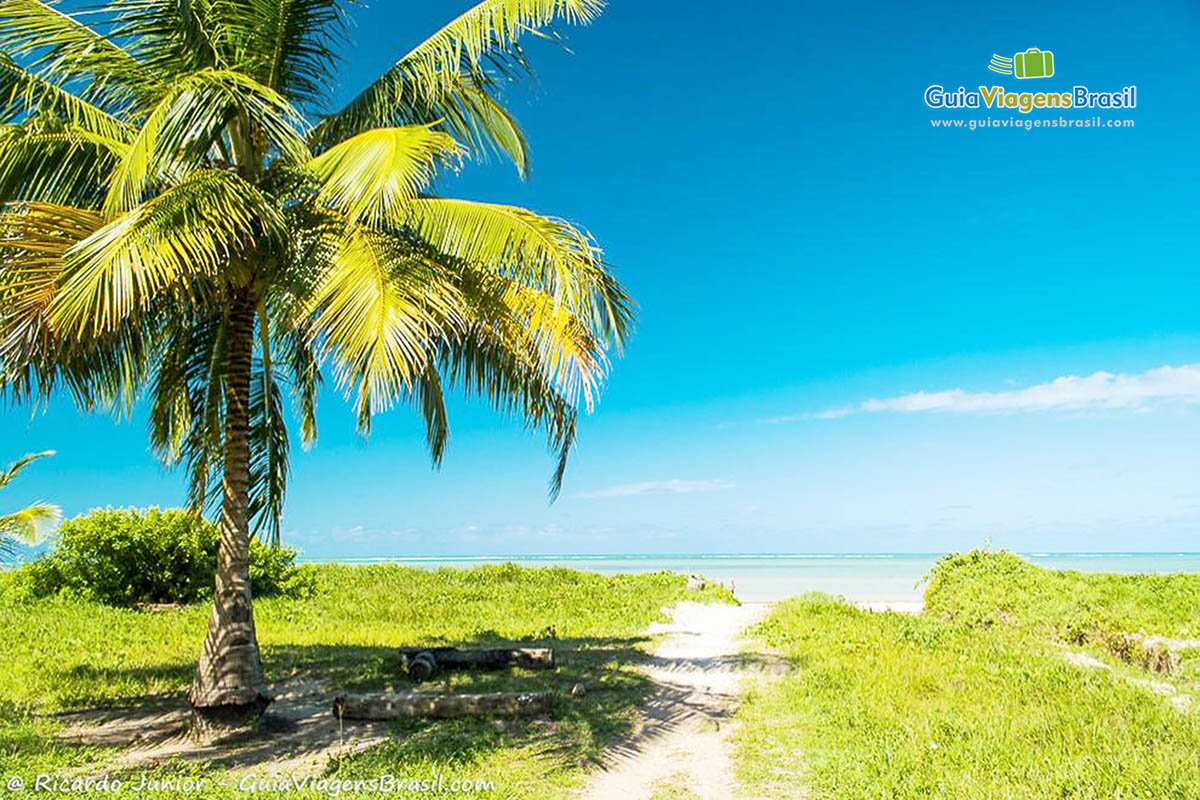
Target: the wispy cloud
pixel 1098 391
pixel 673 486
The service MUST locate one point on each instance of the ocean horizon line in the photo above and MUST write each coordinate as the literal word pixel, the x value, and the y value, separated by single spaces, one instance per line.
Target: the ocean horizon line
pixel 747 556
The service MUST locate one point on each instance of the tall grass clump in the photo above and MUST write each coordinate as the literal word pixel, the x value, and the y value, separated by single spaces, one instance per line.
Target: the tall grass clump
pixel 983 588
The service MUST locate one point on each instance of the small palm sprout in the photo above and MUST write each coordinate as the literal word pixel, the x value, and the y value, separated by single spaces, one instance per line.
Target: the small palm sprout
pixel 30 524
pixel 184 222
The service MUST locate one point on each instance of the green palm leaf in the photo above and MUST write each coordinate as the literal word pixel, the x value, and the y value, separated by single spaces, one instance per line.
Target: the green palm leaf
pixel 534 250
pixel 14 469
pixel 169 243
pixel 489 29
pixel 370 177
pixel 169 38
pixel 66 50
pixel 22 92
pixel 446 78
pixel 463 105
pixel 185 125
pixel 30 523
pixel 287 46
pixel 269 445
pixel 379 311
pixel 496 362
pixel 64 166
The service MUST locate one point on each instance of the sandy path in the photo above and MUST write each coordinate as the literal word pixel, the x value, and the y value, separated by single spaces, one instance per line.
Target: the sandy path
pixel 681 741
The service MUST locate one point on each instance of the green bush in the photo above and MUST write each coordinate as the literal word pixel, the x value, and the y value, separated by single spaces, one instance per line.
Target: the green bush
pixel 126 557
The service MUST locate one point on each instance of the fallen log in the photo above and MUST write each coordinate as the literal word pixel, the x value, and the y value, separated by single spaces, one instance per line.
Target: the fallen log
pixel 442 706
pixel 412 658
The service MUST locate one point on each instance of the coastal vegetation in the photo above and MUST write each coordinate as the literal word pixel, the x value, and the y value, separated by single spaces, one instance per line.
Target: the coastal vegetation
pixel 991 692
pixel 983 589
pixel 28 524
pixel 1007 685
pixel 186 223
pixel 126 557
pixel 66 654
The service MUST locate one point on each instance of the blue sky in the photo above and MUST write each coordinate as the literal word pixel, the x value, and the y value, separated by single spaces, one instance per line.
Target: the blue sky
pixel 801 240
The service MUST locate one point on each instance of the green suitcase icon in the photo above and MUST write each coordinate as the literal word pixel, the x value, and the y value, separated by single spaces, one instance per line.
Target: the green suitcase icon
pixel 1033 63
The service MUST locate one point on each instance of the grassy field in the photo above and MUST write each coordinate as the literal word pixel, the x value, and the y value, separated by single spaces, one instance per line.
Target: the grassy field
pixel 974 699
pixel 63 655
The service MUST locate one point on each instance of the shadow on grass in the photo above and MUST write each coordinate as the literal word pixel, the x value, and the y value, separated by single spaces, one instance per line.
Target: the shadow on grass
pixel 596 686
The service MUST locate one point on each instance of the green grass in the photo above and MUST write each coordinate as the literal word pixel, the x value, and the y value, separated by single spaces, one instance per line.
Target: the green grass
pixel 973 699
pixel 63 655
pixel 983 588
pixel 1093 612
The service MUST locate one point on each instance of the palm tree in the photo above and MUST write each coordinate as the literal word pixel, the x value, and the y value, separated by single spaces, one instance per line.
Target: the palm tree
pixel 28 524
pixel 183 224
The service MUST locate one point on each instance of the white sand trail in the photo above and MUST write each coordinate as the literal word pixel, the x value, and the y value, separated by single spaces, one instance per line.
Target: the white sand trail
pixel 681 740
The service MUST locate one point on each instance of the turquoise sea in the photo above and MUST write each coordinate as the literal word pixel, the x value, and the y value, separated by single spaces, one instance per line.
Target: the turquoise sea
pixel 892 578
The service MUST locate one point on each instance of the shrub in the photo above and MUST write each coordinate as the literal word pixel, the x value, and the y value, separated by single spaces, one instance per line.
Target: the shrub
pixel 126 557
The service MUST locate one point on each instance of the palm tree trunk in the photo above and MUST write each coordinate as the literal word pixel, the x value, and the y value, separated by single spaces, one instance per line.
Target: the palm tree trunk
pixel 229 686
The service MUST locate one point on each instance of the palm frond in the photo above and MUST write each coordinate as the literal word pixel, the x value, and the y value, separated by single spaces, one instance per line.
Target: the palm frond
pixel 269 445
pixel 34 358
pixel 539 252
pixel 107 373
pixel 427 395
pixel 370 177
pixel 59 165
pixel 496 361
pixel 171 408
pixel 288 45
pixel 186 122
pixel 66 50
pixel 34 241
pixel 167 244
pixel 169 38
pixel 304 375
pixel 475 117
pixel 379 312
pixel 179 386
pixel 207 391
pixel 569 354
pixel 463 105
pixel 22 92
pixel 29 524
pixel 450 76
pixel 484 35
pixel 14 469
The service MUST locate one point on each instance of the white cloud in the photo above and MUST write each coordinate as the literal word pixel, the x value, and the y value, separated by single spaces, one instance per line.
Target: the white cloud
pixel 673 486
pixel 1098 391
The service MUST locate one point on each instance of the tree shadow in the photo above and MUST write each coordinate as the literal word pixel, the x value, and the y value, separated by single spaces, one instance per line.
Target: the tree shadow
pixel 595 684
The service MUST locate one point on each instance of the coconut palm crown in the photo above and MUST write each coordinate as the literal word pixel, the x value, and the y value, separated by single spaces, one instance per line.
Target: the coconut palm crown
pixel 184 225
